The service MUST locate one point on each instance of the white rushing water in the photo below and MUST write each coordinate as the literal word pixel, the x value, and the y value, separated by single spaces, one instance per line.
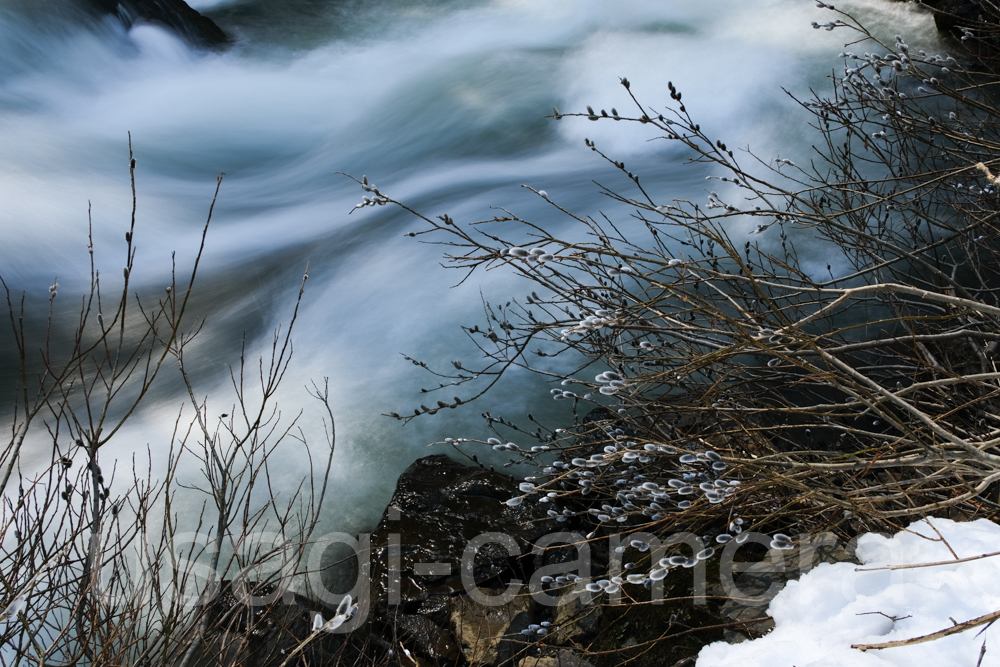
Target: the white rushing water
pixel 442 104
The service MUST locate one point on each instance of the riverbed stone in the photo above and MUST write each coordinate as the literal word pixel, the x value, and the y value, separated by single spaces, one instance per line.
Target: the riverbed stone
pixel 490 634
pixel 575 616
pixel 563 658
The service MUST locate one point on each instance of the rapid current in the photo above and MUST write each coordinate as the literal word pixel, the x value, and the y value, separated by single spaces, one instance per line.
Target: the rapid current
pixel 442 104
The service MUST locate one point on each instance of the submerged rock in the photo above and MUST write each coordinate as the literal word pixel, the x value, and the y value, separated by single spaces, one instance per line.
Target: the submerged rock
pixel 174 15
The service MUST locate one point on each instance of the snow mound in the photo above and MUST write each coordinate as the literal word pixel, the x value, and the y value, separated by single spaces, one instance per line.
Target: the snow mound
pixel 820 616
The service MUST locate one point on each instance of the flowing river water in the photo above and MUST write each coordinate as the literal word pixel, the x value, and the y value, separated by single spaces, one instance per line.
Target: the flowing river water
pixel 443 104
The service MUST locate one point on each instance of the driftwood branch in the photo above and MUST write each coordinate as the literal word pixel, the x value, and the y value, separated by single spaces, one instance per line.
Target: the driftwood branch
pixel 954 630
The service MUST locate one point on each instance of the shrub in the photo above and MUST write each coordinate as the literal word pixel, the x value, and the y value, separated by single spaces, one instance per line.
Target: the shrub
pixel 96 564
pixel 743 378
pixel 719 380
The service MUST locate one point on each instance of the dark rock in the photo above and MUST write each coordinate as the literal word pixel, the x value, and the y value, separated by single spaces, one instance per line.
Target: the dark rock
pixel 685 662
pixel 951 16
pixel 755 620
pixel 438 508
pixel 342 568
pixel 760 583
pixel 435 608
pixel 427 637
pixel 174 15
pixel 262 634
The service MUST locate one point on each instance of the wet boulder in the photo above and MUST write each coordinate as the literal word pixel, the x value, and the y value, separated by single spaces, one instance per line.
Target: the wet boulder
pixel 174 15
pixel 440 506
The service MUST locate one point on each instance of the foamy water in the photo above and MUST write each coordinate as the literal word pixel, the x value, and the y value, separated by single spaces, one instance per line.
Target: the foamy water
pixel 442 105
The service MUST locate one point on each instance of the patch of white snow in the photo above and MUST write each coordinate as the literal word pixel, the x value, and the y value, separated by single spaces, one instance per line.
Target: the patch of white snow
pixel 820 616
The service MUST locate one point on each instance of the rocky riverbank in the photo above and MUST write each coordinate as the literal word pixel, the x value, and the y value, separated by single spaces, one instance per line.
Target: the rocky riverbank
pixel 441 506
pixel 453 577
